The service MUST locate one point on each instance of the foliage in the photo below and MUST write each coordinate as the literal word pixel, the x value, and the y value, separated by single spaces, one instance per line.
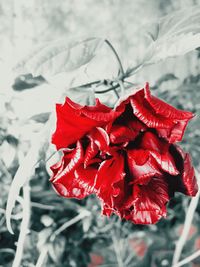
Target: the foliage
pixel 84 238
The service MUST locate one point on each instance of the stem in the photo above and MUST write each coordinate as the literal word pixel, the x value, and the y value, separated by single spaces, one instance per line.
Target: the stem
pixel 116 93
pixel 117 57
pixel 122 87
pixel 188 259
pixel 107 90
pixel 42 257
pixel 67 224
pixel 187 224
pixel 117 250
pixel 24 227
pixel 87 84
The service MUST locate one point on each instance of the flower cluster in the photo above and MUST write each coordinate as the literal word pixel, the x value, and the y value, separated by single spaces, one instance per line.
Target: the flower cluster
pixel 127 156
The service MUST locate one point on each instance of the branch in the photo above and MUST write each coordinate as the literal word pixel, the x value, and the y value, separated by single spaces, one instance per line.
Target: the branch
pixel 24 227
pixel 117 57
pixel 188 259
pixel 67 224
pixel 186 228
pixel 74 220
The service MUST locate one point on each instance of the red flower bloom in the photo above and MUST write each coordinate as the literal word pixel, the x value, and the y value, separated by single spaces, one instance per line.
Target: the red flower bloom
pixel 125 156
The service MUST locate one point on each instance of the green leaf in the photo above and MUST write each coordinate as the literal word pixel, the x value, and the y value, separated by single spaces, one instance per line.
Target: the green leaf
pixel 173 35
pixel 59 56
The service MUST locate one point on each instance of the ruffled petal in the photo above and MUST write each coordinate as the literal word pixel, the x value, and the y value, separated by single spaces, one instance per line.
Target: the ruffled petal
pixel 142 166
pixel 159 149
pixel 127 131
pixel 121 134
pixel 70 161
pixel 168 121
pixel 163 109
pixel 77 184
pixel 144 112
pixel 149 203
pixel 186 182
pixel 70 179
pixel 100 138
pixel 98 143
pixel 74 121
pixel 110 173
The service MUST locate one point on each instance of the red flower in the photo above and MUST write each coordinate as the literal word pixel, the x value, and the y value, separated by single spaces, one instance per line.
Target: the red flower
pixel 125 156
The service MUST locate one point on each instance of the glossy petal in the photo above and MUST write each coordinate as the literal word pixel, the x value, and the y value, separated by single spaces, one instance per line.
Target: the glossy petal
pixel 159 149
pixel 126 132
pixel 100 138
pixel 121 134
pixel 110 173
pixel 168 121
pixel 77 184
pixel 149 203
pixel 185 182
pixel 74 121
pixel 164 109
pixel 98 142
pixel 142 166
pixel 70 179
pixel 179 118
pixel 70 161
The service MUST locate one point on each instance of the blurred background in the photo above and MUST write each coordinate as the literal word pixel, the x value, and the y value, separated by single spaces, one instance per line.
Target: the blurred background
pixel 83 237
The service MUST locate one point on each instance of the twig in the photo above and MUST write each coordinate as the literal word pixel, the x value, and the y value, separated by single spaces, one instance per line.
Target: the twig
pixel 42 257
pixel 44 251
pixel 116 93
pixel 117 251
pixel 77 218
pixel 24 226
pixel 188 259
pixel 122 88
pixel 117 57
pixel 107 90
pixel 186 228
pixel 42 206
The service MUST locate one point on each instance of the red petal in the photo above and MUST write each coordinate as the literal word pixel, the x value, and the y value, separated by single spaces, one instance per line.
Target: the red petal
pixel 178 130
pixel 101 138
pixel 180 118
pixel 187 182
pixel 159 149
pixel 144 112
pixel 74 121
pixel 70 179
pixel 109 174
pixel 99 141
pixel 149 203
pixel 69 163
pixel 120 134
pixel 142 166
pixel 164 109
pixel 90 153
pixel 77 184
pixel 169 122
